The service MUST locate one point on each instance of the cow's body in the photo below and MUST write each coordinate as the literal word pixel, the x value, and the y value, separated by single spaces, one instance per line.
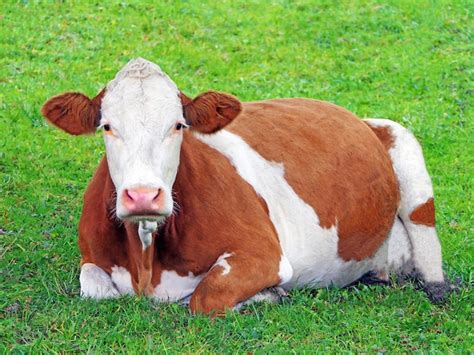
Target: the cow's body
pixel 294 192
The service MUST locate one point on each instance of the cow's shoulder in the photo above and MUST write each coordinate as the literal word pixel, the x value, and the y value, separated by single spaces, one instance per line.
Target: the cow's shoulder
pixel 216 212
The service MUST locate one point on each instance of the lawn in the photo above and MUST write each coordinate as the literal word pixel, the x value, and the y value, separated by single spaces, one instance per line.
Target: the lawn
pixel 410 61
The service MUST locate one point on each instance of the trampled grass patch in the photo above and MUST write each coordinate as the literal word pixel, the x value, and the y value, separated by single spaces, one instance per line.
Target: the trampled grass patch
pixel 404 60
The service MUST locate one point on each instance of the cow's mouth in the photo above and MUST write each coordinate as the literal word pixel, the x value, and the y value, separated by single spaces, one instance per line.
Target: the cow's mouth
pixel 152 217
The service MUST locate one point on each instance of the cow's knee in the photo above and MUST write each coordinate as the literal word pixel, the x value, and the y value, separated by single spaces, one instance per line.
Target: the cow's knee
pixel 212 303
pixel 96 283
pixel 232 280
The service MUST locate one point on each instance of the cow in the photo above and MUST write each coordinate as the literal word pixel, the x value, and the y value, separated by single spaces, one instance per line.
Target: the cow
pixel 216 202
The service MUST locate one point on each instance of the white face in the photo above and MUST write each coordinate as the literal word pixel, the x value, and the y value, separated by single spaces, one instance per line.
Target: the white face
pixel 142 119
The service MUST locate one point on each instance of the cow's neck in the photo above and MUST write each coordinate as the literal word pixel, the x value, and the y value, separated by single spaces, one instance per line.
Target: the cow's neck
pixel 140 260
pixel 179 230
pixel 171 233
pixel 140 249
pixel 166 250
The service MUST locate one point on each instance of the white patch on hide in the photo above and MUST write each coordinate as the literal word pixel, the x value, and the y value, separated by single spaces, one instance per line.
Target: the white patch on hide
pixel 222 262
pixel 145 232
pixel 285 270
pixel 173 287
pixel 426 252
pixel 96 283
pixel 399 247
pixel 122 280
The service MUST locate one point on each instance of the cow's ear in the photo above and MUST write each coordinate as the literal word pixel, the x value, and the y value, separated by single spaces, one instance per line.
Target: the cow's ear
pixel 210 111
pixel 74 112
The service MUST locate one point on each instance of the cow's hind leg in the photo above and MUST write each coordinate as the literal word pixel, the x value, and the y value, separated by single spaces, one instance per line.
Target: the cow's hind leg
pixel 393 257
pixel 416 205
pixel 96 283
pixel 400 253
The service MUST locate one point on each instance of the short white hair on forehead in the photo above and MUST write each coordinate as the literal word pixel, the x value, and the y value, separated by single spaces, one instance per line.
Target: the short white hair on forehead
pixel 141 69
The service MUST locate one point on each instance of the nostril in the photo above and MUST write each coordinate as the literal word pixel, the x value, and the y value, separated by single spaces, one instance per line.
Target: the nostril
pixel 128 195
pixel 158 192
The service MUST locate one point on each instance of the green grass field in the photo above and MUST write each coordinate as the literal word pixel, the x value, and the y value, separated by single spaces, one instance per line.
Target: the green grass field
pixel 410 61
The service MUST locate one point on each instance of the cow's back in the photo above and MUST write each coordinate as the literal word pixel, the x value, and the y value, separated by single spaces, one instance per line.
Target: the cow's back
pixel 333 161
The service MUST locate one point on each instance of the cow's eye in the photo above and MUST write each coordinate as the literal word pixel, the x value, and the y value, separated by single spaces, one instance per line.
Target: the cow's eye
pixel 107 129
pixel 179 126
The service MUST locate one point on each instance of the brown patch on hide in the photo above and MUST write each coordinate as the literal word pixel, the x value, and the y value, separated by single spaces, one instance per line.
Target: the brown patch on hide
pixel 384 134
pixel 74 112
pixel 424 214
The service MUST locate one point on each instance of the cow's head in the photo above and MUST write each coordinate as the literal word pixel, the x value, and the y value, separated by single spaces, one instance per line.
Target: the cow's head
pixel 142 115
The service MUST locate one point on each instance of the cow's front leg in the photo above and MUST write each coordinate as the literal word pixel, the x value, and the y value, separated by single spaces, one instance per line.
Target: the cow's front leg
pixel 96 283
pixel 232 279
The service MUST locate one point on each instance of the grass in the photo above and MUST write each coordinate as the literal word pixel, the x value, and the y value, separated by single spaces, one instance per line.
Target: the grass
pixel 410 61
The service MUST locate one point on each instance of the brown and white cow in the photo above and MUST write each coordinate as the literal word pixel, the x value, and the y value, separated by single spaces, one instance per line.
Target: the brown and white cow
pixel 292 193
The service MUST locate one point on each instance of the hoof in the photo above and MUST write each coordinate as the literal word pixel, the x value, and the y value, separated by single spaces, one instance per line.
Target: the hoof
pixel 371 278
pixel 436 291
pixel 270 295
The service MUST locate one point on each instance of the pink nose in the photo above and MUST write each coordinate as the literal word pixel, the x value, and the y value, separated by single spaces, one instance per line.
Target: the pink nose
pixel 142 201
